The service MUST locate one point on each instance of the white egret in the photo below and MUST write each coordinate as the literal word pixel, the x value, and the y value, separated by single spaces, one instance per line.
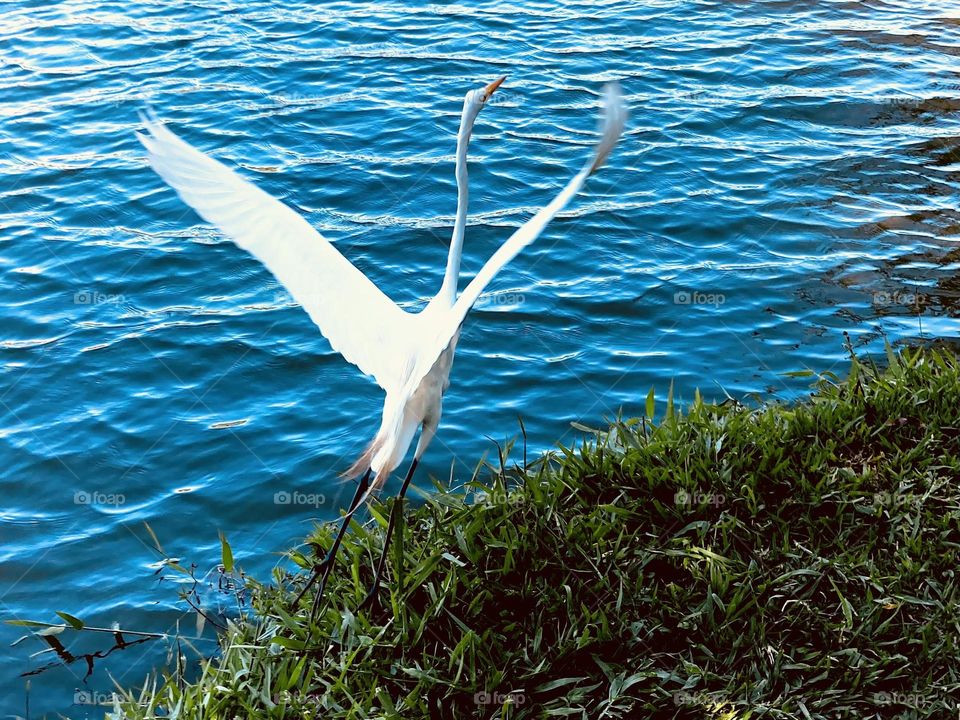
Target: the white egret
pixel 408 354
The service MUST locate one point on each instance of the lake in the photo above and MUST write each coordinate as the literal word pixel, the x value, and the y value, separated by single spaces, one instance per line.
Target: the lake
pixel 787 184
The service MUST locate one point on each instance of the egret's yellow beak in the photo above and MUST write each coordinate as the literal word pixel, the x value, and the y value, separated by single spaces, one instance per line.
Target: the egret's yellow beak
pixel 491 88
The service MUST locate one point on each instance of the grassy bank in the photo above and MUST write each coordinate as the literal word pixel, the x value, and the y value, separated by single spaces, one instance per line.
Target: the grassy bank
pixel 786 562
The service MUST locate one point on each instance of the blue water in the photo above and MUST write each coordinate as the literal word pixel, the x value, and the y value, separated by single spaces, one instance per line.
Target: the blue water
pixel 792 167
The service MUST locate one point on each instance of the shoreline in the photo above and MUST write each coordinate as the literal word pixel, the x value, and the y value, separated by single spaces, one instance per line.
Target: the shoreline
pixel 794 560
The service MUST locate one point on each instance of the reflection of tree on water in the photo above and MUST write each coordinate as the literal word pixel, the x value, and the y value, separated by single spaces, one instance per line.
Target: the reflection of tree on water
pixel 65 657
pixel 210 590
pixel 876 206
pixel 921 276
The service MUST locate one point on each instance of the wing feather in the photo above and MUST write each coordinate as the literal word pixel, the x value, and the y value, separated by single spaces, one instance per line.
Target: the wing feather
pixel 359 321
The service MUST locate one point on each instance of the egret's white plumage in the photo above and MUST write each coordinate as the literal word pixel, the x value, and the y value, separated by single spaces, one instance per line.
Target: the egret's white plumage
pixel 408 354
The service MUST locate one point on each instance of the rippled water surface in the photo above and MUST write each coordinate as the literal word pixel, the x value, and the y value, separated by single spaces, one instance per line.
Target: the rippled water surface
pixel 789 174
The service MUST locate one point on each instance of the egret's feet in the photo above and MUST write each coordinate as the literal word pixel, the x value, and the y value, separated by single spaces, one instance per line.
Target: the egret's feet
pixel 326 565
pixel 318 598
pixel 321 568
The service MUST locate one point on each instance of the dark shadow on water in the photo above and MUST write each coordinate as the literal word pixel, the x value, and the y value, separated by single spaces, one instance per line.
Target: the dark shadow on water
pixel 65 657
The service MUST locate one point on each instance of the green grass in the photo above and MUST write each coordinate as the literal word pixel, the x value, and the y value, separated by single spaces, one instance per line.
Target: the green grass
pixel 782 562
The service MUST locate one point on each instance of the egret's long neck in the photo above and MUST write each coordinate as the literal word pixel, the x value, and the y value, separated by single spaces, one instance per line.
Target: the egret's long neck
pixel 448 291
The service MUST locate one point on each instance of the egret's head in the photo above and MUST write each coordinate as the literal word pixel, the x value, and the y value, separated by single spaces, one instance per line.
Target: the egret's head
pixel 475 100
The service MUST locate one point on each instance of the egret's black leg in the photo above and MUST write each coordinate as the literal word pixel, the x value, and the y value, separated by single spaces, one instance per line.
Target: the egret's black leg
pixel 397 508
pixel 324 566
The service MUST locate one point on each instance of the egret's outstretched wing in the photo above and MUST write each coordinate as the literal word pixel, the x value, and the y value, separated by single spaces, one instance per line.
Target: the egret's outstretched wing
pixel 614 117
pixel 361 323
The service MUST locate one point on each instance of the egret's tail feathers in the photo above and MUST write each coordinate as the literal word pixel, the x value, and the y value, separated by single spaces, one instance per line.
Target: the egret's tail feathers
pixel 388 446
pixel 365 460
